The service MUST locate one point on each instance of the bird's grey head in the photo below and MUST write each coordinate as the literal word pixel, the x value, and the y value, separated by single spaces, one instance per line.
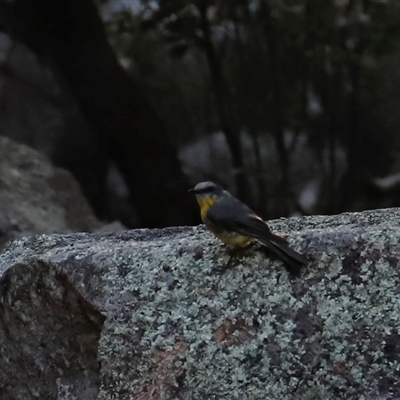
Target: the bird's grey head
pixel 207 189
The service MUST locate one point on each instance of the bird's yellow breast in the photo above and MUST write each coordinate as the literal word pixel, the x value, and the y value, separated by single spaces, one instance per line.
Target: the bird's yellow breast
pixel 230 238
pixel 205 204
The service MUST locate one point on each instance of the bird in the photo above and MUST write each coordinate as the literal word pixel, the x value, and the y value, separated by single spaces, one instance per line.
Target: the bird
pixel 236 225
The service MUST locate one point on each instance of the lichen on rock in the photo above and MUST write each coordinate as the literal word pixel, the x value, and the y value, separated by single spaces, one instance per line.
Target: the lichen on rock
pixel 162 322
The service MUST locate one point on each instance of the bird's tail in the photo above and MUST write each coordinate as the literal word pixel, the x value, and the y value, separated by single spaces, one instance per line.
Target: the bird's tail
pixel 281 248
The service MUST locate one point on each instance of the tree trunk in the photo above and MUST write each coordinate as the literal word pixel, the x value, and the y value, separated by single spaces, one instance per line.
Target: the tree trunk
pixel 73 33
pixel 222 104
pixel 351 182
pixel 284 184
pixel 352 179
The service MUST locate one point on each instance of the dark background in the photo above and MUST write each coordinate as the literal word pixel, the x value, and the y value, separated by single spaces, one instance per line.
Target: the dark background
pixel 291 105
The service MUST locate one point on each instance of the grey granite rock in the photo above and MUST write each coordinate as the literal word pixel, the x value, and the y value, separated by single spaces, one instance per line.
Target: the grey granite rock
pixel 147 314
pixel 36 197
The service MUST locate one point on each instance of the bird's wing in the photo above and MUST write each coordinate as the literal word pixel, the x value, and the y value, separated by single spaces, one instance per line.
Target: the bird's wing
pixel 237 217
pixel 234 216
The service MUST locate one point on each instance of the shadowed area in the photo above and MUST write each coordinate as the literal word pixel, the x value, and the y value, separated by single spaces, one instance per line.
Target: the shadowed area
pixel 49 336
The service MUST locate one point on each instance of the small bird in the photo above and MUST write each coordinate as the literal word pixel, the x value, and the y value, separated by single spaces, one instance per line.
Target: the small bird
pixel 237 225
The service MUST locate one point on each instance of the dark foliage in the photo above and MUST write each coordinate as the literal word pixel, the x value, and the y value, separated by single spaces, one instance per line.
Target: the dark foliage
pixel 305 93
pixel 306 74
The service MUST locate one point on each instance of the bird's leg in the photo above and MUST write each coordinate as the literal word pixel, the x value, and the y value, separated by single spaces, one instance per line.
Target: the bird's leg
pixel 233 252
pixel 236 252
pixel 228 264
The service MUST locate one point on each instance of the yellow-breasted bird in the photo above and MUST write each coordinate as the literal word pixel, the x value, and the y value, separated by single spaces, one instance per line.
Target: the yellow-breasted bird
pixel 237 225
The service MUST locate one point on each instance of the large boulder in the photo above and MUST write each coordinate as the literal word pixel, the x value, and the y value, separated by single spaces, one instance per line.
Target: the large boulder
pixel 36 197
pixel 148 314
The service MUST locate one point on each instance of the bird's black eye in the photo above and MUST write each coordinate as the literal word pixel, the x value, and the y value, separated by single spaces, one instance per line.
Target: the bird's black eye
pixel 208 189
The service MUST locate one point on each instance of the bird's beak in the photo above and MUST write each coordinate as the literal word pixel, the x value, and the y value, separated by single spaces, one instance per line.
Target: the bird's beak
pixel 192 190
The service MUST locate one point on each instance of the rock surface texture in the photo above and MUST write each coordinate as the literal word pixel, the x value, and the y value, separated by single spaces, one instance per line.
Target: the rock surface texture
pixel 148 315
pixel 36 197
